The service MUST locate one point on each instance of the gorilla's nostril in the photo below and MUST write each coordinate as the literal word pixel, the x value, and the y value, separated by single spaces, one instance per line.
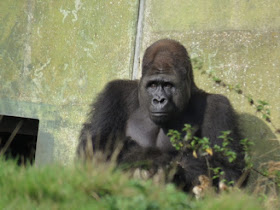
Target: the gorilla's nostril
pixel 159 101
pixel 162 100
pixel 155 101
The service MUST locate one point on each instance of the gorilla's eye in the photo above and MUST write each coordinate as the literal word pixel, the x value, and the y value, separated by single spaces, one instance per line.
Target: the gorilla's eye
pixel 167 85
pixel 152 85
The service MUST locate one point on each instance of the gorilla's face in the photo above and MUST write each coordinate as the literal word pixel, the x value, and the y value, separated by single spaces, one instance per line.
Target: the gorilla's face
pixel 161 95
pixel 163 92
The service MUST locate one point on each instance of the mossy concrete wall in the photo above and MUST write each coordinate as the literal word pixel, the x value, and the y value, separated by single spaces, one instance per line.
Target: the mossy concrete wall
pixel 240 42
pixel 55 56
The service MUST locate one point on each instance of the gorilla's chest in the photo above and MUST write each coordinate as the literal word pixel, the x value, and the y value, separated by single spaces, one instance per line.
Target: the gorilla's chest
pixel 143 131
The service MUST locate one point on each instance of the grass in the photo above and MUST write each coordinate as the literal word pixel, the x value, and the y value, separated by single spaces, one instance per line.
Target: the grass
pixel 81 187
pixel 101 186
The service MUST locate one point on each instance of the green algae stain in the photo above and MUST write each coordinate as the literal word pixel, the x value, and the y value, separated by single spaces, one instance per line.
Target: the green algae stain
pixel 65 50
pixel 55 56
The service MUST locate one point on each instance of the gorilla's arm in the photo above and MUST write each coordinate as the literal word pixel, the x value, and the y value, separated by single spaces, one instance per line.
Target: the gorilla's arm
pixel 108 116
pixel 220 116
pixel 187 168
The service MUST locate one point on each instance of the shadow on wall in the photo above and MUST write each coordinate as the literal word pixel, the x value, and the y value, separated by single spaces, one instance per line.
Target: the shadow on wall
pixel 45 149
pixel 266 146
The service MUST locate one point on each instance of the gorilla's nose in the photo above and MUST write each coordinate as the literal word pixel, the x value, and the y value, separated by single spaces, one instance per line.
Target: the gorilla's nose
pixel 159 102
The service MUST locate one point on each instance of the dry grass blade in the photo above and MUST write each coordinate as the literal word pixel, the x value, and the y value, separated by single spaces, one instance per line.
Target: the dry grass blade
pixel 243 177
pixel 268 183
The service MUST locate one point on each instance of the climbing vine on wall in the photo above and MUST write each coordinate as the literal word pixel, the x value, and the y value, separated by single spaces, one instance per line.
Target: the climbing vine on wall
pixel 259 105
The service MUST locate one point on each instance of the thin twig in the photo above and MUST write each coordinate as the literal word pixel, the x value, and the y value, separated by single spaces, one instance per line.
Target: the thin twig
pixel 266 153
pixel 11 138
pixel 270 179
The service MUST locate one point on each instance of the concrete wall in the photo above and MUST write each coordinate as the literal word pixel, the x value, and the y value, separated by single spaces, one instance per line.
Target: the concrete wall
pixel 55 56
pixel 240 42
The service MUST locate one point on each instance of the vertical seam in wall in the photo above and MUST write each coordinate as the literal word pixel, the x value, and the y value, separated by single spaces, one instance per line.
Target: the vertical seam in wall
pixel 27 47
pixel 138 39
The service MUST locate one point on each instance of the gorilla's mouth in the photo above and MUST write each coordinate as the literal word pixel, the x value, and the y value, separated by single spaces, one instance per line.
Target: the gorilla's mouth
pixel 159 118
pixel 159 114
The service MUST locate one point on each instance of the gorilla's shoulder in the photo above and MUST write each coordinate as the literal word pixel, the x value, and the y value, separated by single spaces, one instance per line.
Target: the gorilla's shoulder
pixel 217 102
pixel 117 89
pixel 117 94
pixel 217 99
pixel 121 86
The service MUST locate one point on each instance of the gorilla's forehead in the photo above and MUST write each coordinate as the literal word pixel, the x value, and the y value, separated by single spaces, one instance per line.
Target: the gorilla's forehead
pixel 162 76
pixel 163 60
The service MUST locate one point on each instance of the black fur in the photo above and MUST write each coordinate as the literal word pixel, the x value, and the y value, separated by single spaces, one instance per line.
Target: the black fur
pixel 124 112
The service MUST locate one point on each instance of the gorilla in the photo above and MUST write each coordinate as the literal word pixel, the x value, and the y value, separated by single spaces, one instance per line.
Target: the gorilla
pixel 139 114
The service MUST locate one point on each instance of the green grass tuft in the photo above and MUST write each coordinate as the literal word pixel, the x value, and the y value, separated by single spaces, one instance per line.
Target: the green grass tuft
pixel 99 186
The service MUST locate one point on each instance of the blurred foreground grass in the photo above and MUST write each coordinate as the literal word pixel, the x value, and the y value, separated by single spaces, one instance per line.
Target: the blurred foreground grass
pixel 100 186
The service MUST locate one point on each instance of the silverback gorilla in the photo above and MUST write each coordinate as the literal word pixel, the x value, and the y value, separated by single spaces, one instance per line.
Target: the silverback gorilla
pixel 139 114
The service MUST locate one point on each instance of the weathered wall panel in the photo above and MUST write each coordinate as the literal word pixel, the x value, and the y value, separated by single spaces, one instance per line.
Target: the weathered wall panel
pixel 55 56
pixel 240 42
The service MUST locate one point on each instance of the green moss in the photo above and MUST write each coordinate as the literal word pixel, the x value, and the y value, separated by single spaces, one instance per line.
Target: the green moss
pixel 218 15
pixel 55 56
pixel 73 48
